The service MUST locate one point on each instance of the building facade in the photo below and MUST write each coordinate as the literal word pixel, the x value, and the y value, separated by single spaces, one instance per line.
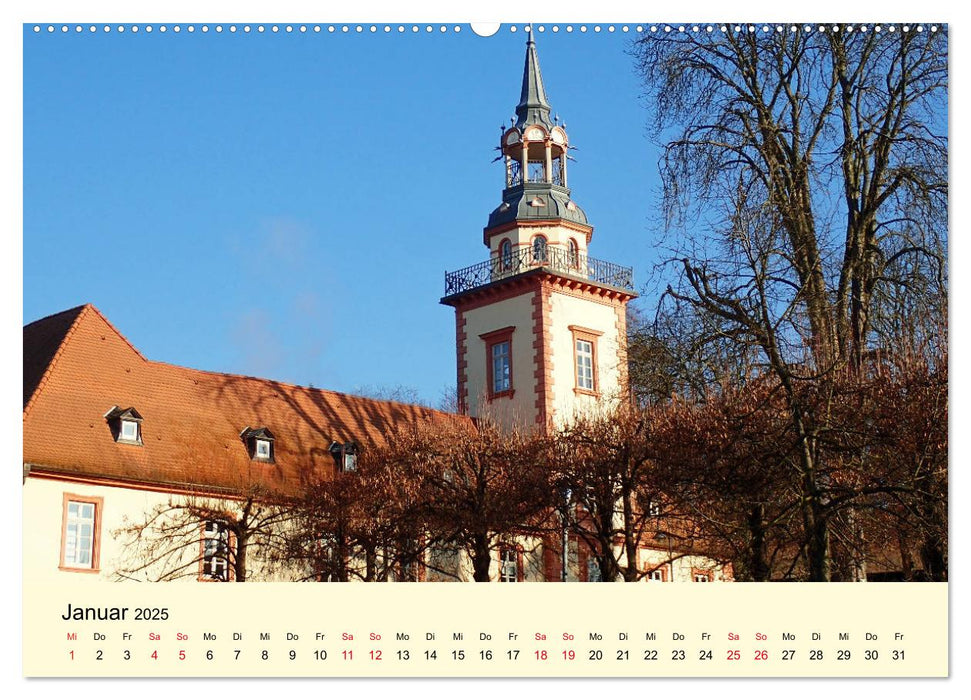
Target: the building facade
pixel 132 468
pixel 541 326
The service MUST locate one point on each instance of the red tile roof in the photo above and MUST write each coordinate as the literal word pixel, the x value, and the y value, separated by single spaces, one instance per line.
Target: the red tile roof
pixel 77 366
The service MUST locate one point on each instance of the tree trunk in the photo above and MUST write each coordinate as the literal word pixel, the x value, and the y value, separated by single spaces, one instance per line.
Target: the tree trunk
pixel 481 558
pixel 370 562
pixel 758 560
pixel 239 565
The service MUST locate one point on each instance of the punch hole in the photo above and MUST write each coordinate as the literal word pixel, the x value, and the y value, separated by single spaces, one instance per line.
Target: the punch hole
pixel 484 28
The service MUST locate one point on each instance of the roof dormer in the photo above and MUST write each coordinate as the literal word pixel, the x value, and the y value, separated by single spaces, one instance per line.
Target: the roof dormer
pixel 345 456
pixel 259 443
pixel 125 425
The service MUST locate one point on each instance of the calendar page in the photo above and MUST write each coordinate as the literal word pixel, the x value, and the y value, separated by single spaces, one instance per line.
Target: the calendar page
pixel 513 350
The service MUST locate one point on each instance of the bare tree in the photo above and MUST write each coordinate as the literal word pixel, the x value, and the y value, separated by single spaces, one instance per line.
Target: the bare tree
pixel 807 171
pixel 215 538
pixel 621 501
pixel 483 489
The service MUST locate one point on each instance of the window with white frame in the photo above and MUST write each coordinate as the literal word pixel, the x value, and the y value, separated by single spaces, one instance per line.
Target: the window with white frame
pixel 129 430
pixel 80 535
pixel 656 575
pixel 701 576
pixel 584 361
pixel 573 253
pixel 215 551
pixel 501 364
pixel 508 565
pixel 262 449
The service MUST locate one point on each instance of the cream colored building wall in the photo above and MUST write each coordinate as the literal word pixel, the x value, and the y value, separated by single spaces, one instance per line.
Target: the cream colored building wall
pixel 520 409
pixel 455 565
pixel 523 236
pixel 43 503
pixel 574 311
pixel 682 568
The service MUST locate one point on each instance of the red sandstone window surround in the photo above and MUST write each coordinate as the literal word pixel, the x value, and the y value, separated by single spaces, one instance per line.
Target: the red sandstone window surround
pixel 499 374
pixel 81 534
pixel 585 372
pixel 658 574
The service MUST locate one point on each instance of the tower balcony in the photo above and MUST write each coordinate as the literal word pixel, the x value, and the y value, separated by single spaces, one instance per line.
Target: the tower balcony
pixel 553 259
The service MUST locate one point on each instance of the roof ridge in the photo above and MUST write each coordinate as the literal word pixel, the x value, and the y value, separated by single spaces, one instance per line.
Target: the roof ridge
pixel 57 355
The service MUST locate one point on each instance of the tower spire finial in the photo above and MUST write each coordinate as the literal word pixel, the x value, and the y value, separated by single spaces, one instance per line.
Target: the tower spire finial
pixel 533 107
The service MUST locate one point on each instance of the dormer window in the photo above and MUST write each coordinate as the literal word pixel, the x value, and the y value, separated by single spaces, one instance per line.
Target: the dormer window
pixel 262 449
pixel 345 456
pixel 259 443
pixel 129 430
pixel 125 425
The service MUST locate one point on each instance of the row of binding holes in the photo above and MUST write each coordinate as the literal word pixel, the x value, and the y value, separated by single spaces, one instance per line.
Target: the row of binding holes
pixel 414 28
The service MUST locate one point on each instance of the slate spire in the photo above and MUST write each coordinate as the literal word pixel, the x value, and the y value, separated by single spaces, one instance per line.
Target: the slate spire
pixel 533 108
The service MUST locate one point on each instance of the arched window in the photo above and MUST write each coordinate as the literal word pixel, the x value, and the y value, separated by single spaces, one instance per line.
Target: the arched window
pixel 539 249
pixel 505 254
pixel 573 254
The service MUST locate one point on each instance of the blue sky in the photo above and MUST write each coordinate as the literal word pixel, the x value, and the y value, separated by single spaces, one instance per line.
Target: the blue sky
pixel 285 205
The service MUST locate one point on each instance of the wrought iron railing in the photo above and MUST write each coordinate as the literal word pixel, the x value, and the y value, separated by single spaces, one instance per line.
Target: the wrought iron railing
pixel 555 259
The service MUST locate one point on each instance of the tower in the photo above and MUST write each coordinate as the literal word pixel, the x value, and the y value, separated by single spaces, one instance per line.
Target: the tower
pixel 540 325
